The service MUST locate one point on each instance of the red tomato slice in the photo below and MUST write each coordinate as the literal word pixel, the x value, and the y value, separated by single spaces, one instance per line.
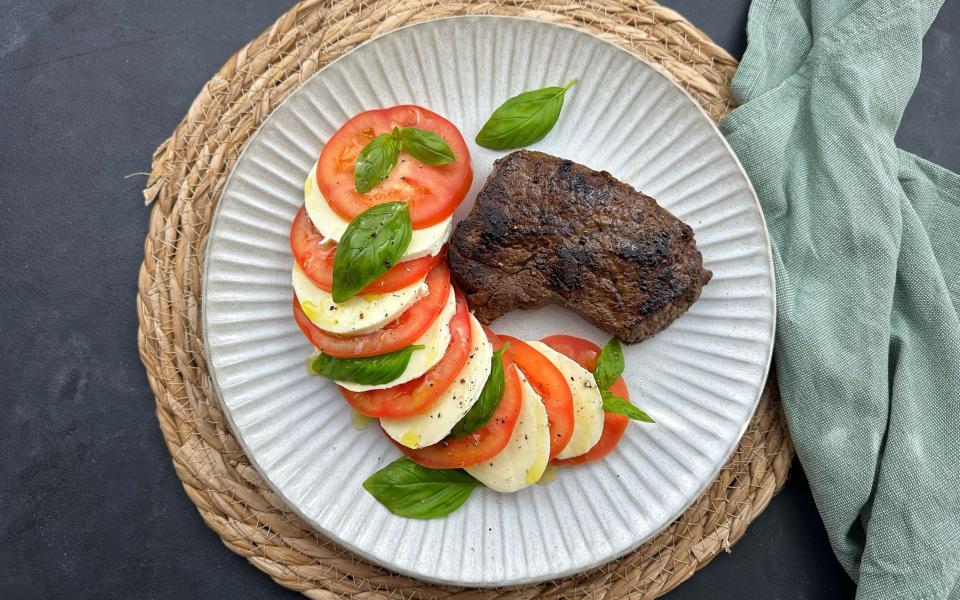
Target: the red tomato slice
pixel 550 383
pixel 393 336
pixel 483 443
pixel 314 253
pixel 613 427
pixel 419 395
pixel 585 353
pixel 433 191
pixel 493 337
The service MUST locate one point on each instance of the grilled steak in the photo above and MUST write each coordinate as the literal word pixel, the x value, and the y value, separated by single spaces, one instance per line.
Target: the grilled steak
pixel 545 229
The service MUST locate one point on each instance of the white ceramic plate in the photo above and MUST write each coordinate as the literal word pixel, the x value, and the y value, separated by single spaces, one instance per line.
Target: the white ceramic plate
pixel 701 378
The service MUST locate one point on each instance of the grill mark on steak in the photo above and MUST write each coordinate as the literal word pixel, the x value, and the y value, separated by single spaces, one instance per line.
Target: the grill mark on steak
pixel 546 229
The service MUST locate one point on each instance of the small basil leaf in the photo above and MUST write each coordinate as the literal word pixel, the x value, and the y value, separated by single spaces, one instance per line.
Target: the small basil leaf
pixel 409 490
pixel 369 370
pixel 371 244
pixel 426 146
pixel 375 161
pixel 609 364
pixel 523 119
pixel 616 404
pixel 489 399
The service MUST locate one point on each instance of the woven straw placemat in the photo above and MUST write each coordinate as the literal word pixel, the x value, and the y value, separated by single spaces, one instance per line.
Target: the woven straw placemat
pixel 188 174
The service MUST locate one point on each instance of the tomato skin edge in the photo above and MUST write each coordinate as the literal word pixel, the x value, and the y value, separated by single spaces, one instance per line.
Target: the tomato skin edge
pixel 492 336
pixel 482 444
pixel 385 339
pixel 585 353
pixel 550 383
pixel 433 191
pixel 418 395
pixel 314 255
pixel 614 426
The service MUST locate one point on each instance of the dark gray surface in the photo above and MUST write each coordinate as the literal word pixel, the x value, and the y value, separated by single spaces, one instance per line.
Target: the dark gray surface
pixel 89 504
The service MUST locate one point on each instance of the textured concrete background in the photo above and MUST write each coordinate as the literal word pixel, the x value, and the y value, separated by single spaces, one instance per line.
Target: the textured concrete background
pixel 89 504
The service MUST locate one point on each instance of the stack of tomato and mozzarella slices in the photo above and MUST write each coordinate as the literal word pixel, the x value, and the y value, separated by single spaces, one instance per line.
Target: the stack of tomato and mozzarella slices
pixel 405 348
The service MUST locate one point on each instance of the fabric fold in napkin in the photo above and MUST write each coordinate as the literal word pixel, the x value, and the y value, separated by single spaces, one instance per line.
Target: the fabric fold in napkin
pixel 866 245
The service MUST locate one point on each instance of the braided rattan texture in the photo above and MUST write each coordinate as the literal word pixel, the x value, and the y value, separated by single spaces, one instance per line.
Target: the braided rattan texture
pixel 188 174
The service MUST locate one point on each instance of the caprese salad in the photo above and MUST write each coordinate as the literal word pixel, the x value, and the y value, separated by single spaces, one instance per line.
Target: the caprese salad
pixel 372 293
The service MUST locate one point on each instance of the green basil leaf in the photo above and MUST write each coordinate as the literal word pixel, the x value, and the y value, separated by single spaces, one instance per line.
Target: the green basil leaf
pixel 523 119
pixel 371 244
pixel 489 399
pixel 375 161
pixel 616 404
pixel 409 490
pixel 609 364
pixel 426 146
pixel 369 370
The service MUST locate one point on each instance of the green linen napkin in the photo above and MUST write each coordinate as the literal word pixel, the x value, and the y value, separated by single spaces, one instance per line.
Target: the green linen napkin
pixel 866 247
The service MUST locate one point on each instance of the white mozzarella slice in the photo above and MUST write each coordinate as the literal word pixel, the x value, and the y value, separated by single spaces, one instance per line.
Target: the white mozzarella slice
pixel 425 242
pixel 522 462
pixel 431 427
pixel 434 341
pixel 587 402
pixel 358 315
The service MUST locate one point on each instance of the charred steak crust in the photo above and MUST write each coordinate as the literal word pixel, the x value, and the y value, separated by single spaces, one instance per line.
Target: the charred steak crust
pixel 545 229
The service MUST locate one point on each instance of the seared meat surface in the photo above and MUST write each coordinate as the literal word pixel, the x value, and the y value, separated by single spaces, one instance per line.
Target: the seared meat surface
pixel 545 229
